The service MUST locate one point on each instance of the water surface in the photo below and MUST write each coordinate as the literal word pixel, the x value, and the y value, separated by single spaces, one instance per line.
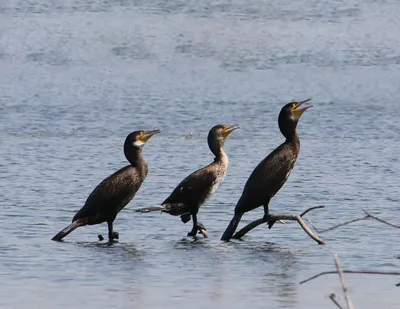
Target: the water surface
pixel 77 77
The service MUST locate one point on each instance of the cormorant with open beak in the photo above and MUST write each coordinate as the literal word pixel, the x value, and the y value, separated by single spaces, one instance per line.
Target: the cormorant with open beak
pixel 199 186
pixel 272 172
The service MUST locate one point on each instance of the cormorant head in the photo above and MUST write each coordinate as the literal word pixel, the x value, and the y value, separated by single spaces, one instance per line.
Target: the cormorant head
pixel 218 134
pixel 137 139
pixel 290 115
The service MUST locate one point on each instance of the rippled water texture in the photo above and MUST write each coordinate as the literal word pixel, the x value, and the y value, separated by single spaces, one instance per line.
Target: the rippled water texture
pixel 77 76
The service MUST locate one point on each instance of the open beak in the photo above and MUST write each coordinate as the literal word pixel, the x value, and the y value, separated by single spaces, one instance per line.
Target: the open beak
pixel 299 111
pixel 229 129
pixel 147 134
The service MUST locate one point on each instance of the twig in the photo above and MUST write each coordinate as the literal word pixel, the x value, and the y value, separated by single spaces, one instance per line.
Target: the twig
pixel 203 232
pixel 273 218
pixel 339 225
pixel 342 283
pixel 311 208
pixel 333 298
pixel 380 220
pixel 363 272
pixel 367 216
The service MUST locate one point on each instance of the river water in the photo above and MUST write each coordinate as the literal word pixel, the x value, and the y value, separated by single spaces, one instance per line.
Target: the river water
pixel 77 76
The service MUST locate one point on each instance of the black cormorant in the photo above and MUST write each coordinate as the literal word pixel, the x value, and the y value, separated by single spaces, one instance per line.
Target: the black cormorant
pixel 272 172
pixel 116 191
pixel 196 188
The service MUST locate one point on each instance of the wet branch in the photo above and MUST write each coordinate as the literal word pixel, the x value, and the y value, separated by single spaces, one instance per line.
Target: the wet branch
pixel 364 272
pixel 333 298
pixel 203 232
pixel 380 220
pixel 367 216
pixel 273 218
pixel 342 283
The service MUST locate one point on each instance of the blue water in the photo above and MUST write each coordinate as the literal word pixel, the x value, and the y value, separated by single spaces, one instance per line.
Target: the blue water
pixel 76 77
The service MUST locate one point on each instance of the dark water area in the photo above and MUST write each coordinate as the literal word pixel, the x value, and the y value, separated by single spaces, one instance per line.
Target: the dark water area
pixel 77 76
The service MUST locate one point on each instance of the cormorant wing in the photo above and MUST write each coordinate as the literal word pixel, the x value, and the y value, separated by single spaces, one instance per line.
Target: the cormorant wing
pixel 267 178
pixel 116 191
pixel 195 188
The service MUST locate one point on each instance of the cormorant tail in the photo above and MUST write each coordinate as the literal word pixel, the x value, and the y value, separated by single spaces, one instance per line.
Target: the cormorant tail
pixel 64 232
pixel 230 230
pixel 175 209
pixel 150 209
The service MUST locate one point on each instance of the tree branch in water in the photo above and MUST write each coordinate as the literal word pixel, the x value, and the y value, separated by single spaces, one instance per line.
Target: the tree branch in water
pixel 364 272
pixel 342 283
pixel 368 215
pixel 273 218
pixel 333 298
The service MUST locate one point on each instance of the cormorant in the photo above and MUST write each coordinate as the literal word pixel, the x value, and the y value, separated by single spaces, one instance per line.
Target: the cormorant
pixel 272 172
pixel 196 188
pixel 116 191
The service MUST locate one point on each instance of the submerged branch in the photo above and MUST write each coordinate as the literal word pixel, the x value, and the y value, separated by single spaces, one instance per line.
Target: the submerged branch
pixel 342 283
pixel 333 298
pixel 363 272
pixel 380 220
pixel 271 219
pixel 367 216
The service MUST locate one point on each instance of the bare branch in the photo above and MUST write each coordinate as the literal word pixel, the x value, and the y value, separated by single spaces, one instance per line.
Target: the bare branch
pixel 248 228
pixel 342 283
pixel 341 224
pixel 380 220
pixel 367 216
pixel 309 232
pixel 203 232
pixel 333 298
pixel 273 218
pixel 311 208
pixel 363 272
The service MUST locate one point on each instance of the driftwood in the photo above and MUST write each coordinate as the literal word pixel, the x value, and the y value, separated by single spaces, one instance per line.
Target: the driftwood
pixel 333 298
pixel 363 272
pixel 368 215
pixel 340 271
pixel 203 232
pixel 273 218
pixel 342 283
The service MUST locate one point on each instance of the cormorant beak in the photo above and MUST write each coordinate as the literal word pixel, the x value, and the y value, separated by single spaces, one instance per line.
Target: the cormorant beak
pixel 297 112
pixel 145 136
pixel 229 129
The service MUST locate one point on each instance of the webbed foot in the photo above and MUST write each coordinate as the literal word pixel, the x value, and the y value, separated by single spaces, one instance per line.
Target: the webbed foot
pixel 115 235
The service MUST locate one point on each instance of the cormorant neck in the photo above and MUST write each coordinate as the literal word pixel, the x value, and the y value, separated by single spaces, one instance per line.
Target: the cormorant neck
pixel 220 155
pixel 134 155
pixel 288 129
pixel 217 148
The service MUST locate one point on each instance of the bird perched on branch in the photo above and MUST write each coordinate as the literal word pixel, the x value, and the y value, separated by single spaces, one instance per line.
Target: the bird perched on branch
pixel 199 186
pixel 116 191
pixel 272 172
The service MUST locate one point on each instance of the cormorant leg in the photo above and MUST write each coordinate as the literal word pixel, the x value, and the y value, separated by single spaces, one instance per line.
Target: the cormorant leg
pixel 111 233
pixel 266 215
pixel 193 232
pixel 266 211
